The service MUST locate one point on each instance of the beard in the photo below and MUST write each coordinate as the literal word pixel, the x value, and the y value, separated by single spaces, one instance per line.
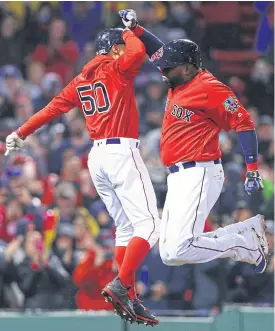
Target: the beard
pixel 166 81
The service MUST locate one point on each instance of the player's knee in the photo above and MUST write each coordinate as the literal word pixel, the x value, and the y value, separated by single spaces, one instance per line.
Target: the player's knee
pixel 168 255
pixel 169 261
pixel 170 258
pixel 173 255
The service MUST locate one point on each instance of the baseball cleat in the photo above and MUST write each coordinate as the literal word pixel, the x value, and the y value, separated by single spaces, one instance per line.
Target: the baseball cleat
pixel 124 317
pixel 257 223
pixel 144 316
pixel 117 295
pixel 261 262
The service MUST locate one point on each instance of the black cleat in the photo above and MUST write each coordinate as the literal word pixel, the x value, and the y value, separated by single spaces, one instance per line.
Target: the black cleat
pixel 117 295
pixel 144 316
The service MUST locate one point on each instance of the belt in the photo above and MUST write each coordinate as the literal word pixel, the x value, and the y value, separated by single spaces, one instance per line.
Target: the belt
pixel 111 141
pixel 186 165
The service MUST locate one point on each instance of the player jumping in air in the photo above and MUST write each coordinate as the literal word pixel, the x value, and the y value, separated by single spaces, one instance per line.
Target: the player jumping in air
pixel 104 91
pixel 198 108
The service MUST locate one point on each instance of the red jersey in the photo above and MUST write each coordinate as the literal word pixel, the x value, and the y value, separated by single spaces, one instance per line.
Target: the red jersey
pixel 195 114
pixel 104 91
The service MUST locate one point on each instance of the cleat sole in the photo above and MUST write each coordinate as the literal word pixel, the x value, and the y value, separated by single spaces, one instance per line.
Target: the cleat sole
pixel 119 307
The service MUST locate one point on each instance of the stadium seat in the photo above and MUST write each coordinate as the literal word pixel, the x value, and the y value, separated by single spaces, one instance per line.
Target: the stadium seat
pixel 221 12
pixel 234 56
pixel 230 69
pixel 234 62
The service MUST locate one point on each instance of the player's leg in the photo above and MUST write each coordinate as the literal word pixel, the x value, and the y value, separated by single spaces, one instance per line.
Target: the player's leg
pixel 135 192
pixel 124 228
pixel 255 223
pixel 138 199
pixel 134 189
pixel 193 189
pixel 181 219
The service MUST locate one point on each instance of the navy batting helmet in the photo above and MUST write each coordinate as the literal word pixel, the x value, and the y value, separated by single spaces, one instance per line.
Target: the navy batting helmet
pixel 106 39
pixel 176 53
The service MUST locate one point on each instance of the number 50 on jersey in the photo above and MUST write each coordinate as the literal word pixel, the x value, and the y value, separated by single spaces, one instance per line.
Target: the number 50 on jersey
pixel 93 98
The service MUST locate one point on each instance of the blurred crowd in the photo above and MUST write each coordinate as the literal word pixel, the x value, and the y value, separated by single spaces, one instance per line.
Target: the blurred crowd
pixel 56 237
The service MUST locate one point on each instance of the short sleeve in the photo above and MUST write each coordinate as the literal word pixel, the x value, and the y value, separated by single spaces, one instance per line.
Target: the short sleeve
pixel 224 108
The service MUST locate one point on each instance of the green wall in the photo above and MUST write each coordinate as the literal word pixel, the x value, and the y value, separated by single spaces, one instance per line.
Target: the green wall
pixel 241 319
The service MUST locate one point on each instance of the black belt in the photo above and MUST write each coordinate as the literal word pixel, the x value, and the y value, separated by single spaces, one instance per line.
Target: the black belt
pixel 110 141
pixel 186 165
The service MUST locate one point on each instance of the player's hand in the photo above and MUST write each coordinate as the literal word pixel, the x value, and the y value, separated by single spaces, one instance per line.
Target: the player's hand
pixel 253 182
pixel 129 18
pixel 13 143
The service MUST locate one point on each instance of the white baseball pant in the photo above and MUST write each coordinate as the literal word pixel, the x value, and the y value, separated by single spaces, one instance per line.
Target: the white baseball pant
pixel 191 195
pixel 123 183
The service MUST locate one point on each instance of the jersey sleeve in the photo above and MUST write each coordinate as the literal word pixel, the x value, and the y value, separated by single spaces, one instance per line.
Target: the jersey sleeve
pixel 152 43
pixel 60 104
pixel 225 109
pixel 129 63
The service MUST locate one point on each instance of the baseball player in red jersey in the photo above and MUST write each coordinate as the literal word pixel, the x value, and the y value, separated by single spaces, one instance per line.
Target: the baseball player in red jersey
pixel 198 108
pixel 104 92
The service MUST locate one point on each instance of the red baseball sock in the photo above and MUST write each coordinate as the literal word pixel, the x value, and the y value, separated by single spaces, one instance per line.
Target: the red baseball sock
pixel 136 252
pixel 119 256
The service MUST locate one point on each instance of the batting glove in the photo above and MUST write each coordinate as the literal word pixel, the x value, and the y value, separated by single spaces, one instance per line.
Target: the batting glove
pixel 13 143
pixel 129 18
pixel 253 182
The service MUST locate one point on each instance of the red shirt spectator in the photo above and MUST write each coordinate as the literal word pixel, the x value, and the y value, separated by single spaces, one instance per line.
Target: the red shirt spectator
pixel 91 276
pixel 3 226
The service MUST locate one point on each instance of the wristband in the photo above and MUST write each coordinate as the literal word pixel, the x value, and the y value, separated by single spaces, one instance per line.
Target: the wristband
pixel 252 166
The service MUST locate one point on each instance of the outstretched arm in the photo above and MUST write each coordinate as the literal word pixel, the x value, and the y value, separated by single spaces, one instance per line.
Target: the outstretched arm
pixel 60 104
pixel 134 55
pixel 151 42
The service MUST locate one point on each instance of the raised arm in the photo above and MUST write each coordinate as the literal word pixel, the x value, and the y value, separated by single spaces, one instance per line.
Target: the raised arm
pixel 134 55
pixel 151 42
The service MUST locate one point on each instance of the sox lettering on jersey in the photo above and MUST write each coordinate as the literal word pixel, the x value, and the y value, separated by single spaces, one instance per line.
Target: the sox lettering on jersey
pixel 182 113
